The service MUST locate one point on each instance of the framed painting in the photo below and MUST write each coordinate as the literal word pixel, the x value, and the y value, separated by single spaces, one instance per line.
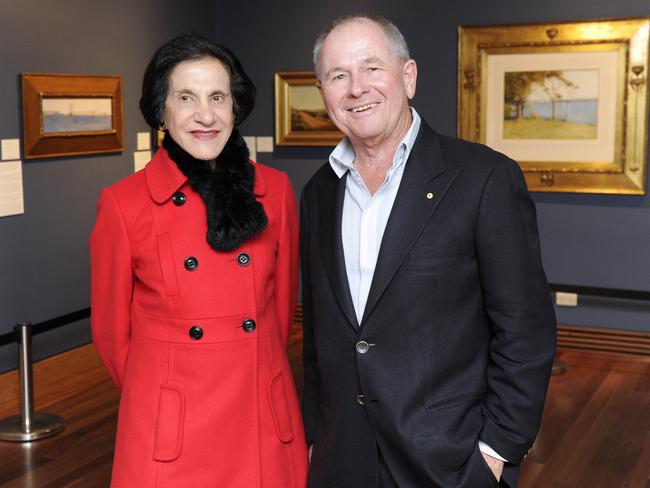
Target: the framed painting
pixel 70 115
pixel 300 115
pixel 567 101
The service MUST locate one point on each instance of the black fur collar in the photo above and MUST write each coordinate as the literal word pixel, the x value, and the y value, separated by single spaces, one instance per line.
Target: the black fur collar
pixel 234 216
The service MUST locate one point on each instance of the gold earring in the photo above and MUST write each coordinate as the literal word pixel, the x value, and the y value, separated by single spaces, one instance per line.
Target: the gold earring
pixel 162 127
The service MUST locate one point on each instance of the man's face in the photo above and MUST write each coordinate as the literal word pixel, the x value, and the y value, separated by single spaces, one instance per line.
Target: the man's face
pixel 365 87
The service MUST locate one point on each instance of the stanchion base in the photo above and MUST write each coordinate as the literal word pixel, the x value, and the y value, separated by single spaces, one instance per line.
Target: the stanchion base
pixel 558 367
pixel 43 425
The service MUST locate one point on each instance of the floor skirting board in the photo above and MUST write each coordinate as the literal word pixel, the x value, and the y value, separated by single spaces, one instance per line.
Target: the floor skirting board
pixel 604 340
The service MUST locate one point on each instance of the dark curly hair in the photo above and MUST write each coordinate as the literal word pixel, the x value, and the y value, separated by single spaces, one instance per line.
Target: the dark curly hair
pixel 189 46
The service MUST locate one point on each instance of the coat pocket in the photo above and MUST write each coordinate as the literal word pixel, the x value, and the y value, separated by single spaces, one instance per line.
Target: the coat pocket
pixel 169 424
pixel 280 408
pixel 167 267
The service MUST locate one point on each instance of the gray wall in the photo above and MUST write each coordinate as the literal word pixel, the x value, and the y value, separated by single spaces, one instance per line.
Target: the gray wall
pixel 44 259
pixel 588 240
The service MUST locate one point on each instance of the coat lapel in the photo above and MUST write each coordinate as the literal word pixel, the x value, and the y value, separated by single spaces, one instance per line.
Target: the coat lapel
pixel 330 197
pixel 163 176
pixel 424 183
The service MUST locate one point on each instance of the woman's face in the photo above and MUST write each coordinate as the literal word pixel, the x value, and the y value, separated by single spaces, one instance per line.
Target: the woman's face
pixel 199 107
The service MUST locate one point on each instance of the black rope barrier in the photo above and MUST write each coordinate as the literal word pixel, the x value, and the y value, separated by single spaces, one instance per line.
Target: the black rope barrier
pixel 47 325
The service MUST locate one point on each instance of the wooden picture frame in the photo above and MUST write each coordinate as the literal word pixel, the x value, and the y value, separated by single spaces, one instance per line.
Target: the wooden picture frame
pixel 71 115
pixel 300 115
pixel 514 81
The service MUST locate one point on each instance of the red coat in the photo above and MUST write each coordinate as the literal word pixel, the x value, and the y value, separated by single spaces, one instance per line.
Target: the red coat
pixel 207 396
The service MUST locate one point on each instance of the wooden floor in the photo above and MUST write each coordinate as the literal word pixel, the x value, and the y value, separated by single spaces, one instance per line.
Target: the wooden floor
pixel 595 433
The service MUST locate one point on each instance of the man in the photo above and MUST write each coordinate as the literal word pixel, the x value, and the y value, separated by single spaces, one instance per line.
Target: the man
pixel 428 328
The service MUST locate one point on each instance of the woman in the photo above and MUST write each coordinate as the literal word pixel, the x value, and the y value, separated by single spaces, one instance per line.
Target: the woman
pixel 194 276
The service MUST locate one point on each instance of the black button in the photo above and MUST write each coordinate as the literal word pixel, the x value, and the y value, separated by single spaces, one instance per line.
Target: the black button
pixel 361 399
pixel 248 325
pixel 179 198
pixel 191 263
pixel 196 332
pixel 243 259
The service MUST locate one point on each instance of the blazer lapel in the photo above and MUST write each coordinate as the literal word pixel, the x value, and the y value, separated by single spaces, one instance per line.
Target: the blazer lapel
pixel 424 183
pixel 330 197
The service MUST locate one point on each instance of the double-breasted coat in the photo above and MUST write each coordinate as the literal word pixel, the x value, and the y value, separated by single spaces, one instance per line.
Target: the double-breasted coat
pixel 196 339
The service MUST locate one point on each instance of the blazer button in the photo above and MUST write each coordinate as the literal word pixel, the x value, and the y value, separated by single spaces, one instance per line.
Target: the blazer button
pixel 361 399
pixel 243 259
pixel 196 332
pixel 179 198
pixel 191 263
pixel 362 347
pixel 248 325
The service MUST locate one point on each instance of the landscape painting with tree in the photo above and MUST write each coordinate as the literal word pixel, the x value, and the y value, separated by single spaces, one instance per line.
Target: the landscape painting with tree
pixel 568 101
pixel 552 104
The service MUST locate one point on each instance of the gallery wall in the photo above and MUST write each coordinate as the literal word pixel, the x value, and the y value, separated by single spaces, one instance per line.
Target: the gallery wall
pixel 587 240
pixel 44 259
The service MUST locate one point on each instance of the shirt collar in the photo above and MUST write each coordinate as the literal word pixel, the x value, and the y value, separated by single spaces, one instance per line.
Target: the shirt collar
pixel 341 158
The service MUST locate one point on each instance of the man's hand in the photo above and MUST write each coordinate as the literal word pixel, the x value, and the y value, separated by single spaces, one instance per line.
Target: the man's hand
pixel 496 465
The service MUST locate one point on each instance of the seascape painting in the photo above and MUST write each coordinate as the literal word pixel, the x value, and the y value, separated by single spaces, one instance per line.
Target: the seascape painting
pixel 307 110
pixel 76 114
pixel 552 104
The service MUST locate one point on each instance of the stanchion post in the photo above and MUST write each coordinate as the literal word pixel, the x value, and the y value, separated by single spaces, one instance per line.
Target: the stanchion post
pixel 28 426
pixel 25 374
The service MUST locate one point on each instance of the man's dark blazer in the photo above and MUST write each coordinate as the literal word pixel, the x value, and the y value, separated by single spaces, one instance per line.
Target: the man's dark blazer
pixel 459 326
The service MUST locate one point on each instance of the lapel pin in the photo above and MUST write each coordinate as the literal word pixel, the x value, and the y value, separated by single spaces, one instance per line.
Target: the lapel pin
pixel 429 196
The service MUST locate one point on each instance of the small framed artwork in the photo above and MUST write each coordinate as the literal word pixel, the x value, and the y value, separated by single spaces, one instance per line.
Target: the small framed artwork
pixel 567 101
pixel 300 115
pixel 70 115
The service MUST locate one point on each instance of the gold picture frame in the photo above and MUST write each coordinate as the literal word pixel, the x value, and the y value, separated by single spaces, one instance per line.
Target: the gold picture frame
pixel 514 80
pixel 70 115
pixel 300 115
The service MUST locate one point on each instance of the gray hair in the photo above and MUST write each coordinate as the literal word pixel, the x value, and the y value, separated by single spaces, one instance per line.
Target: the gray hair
pixel 396 40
